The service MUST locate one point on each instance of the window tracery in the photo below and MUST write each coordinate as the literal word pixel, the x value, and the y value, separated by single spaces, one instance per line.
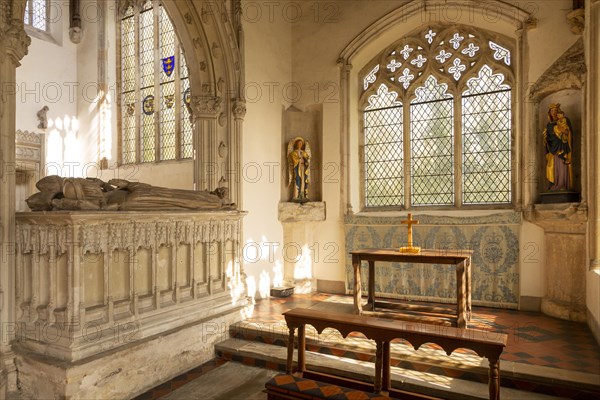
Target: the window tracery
pixel 437 120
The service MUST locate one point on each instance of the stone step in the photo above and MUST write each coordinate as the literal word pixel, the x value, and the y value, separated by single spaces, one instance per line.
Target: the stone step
pixel 445 387
pixel 462 364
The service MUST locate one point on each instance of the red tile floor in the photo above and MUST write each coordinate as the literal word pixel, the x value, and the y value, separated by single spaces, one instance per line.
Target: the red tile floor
pixel 533 338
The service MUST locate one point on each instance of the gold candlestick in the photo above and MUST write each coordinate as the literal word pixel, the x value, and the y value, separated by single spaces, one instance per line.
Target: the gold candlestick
pixel 410 248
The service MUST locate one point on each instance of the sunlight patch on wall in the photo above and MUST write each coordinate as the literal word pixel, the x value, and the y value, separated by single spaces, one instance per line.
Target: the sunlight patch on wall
pixel 63 148
pixel 251 287
pixel 105 128
pixel 303 271
pixel 236 286
pixel 278 274
pixel 264 284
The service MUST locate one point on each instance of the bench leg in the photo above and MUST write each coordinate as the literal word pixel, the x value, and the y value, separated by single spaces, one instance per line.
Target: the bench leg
pixel 461 296
pixel 385 379
pixel 301 348
pixel 290 352
pixel 494 381
pixel 357 285
pixel 378 366
pixel 371 298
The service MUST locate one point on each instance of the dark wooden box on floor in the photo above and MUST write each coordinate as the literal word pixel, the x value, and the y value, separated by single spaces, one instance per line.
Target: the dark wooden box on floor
pixel 282 291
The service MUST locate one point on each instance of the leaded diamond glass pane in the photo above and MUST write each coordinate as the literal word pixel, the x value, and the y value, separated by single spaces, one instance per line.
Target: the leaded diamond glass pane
pixel 487 148
pixel 384 183
pixel 148 137
pixel 146 49
pixel 128 54
pixel 186 124
pixel 432 145
pixel 38 14
pixel 128 127
pixel 167 122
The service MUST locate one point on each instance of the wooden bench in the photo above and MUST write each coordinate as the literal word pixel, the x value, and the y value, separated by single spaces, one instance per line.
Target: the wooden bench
pixel 486 344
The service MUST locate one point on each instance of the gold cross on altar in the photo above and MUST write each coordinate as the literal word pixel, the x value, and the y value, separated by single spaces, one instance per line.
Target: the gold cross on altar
pixel 410 248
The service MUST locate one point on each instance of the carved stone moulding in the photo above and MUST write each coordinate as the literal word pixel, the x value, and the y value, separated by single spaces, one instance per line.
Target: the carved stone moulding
pixel 206 106
pixel 567 72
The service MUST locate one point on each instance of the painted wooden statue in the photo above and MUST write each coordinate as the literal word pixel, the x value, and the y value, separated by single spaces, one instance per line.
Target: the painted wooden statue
pixel 298 157
pixel 558 140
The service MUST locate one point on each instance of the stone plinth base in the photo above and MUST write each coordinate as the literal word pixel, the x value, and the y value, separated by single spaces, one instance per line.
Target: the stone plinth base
pixel 301 212
pixel 127 371
pixel 560 197
pixel 567 312
pixel 566 264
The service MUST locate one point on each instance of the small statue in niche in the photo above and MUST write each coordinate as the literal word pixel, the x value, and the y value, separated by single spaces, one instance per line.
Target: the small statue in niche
pixel 298 156
pixel 558 140
pixel 43 118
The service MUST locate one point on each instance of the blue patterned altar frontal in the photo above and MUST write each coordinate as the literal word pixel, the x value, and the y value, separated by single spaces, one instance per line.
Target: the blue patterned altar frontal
pixel 168 64
pixel 494 240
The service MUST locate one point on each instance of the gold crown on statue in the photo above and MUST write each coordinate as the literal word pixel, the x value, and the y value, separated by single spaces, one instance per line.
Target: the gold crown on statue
pixel 553 105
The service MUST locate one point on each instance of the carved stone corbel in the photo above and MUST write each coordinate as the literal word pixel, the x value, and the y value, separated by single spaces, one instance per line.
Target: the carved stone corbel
pixel 75 28
pixel 14 41
pixel 206 106
pixel 239 109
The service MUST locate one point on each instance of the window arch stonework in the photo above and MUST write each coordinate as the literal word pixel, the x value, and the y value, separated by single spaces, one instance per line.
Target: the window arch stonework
pixel 211 38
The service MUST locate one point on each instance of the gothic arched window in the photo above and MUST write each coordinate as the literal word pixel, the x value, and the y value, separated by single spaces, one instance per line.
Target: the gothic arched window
pixel 37 14
pixel 437 120
pixel 154 88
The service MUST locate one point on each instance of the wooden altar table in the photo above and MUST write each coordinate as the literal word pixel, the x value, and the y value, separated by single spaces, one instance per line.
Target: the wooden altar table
pixel 461 259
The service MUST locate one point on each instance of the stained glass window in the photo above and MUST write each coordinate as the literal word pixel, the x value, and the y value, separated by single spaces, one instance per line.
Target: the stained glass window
pixel 437 120
pixel 155 122
pixel 37 14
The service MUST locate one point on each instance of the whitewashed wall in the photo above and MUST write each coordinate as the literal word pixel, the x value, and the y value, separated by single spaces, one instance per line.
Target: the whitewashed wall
pixel 48 77
pixel 268 52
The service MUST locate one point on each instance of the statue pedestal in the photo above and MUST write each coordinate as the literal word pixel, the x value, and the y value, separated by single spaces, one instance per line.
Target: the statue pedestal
pixel 300 251
pixel 565 267
pixel 560 197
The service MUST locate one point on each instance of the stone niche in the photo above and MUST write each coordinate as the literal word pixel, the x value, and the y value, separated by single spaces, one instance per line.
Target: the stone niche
pixel 561 83
pixel 109 304
pixel 571 102
pixel 564 223
pixel 308 125
pixel 300 220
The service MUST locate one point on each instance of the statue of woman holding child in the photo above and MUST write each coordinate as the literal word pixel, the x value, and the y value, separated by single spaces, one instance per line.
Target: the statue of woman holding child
pixel 558 140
